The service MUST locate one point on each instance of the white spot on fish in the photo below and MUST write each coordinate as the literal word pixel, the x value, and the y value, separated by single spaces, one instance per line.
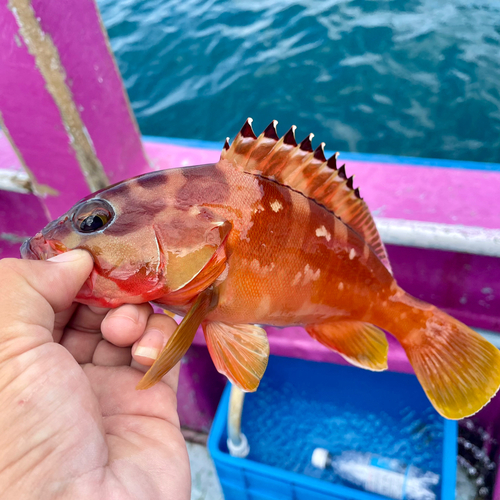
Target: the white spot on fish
pixel 194 210
pixel 276 206
pixel 310 275
pixel 264 307
pixel 486 290
pixel 352 254
pixel 222 276
pixel 296 280
pixel 341 286
pixel 258 208
pixel 256 267
pixel 321 231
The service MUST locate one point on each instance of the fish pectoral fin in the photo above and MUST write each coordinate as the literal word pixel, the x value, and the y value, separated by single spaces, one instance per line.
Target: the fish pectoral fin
pixel 240 352
pixel 179 342
pixel 362 344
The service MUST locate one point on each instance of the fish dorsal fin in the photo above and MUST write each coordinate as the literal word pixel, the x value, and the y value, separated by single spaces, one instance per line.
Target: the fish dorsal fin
pixel 303 169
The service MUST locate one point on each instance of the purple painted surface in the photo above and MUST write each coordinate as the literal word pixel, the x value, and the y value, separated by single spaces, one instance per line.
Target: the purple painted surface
pixel 200 388
pixel 21 215
pixel 8 157
pixel 464 285
pixel 95 83
pixel 33 119
pixel 430 194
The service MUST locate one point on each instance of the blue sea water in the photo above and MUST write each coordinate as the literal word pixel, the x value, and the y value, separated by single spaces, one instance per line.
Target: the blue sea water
pixel 402 77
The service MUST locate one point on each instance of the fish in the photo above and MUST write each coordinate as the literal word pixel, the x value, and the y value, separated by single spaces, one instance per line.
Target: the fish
pixel 274 233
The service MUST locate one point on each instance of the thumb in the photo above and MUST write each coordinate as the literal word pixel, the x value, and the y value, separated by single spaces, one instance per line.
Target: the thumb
pixel 31 292
pixel 59 279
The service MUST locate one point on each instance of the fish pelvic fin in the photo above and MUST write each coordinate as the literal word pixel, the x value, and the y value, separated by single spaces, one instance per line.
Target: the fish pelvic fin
pixel 179 342
pixel 306 170
pixel 458 369
pixel 240 352
pixel 361 344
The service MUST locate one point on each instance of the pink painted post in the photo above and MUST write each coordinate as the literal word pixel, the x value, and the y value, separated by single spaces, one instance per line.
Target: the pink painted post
pixel 34 122
pixel 95 84
pixel 21 213
pixel 62 100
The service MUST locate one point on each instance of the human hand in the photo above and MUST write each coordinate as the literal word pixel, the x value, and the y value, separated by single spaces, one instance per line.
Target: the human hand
pixel 72 424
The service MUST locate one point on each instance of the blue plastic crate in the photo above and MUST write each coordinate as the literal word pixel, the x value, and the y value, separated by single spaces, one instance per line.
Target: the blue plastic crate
pixel 319 385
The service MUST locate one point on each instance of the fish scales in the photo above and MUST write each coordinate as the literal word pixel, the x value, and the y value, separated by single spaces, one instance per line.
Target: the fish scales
pixel 280 271
pixel 274 233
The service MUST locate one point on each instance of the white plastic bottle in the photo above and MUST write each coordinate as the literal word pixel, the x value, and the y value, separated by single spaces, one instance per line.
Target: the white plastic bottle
pixel 383 476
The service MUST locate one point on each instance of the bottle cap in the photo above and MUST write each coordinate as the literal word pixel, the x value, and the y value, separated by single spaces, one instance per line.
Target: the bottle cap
pixel 319 458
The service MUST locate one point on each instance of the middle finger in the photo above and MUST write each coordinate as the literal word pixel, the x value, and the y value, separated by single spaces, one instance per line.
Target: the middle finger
pixel 124 325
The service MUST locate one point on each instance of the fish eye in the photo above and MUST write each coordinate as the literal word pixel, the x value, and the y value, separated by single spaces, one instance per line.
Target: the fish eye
pixel 92 216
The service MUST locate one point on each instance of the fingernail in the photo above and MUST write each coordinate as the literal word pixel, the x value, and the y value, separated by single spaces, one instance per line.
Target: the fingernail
pixel 150 344
pixel 70 256
pixel 147 352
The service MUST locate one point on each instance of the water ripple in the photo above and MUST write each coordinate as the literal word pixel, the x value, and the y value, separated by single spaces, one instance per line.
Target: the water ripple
pixel 403 77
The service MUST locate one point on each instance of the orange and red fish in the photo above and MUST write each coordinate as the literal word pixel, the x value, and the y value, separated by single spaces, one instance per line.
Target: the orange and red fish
pixel 273 234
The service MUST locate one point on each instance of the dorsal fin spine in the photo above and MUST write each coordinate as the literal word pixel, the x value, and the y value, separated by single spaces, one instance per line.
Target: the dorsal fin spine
pixel 271 132
pixel 247 130
pixel 342 172
pixel 319 153
pixel 332 161
pixel 289 137
pixel 306 144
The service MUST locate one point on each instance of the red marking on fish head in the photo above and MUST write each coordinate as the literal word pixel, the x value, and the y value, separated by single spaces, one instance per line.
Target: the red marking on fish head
pixel 145 235
pixel 116 226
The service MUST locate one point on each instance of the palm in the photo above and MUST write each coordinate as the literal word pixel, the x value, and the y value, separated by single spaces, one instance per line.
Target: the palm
pixel 87 433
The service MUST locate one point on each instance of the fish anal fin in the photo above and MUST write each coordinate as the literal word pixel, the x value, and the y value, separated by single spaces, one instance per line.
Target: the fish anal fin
pixel 283 161
pixel 179 342
pixel 240 352
pixel 362 344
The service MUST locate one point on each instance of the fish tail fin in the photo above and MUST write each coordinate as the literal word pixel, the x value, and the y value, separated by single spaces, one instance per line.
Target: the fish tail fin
pixel 458 369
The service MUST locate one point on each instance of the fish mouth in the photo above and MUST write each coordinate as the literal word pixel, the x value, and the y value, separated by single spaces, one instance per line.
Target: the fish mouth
pixel 27 252
pixel 38 248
